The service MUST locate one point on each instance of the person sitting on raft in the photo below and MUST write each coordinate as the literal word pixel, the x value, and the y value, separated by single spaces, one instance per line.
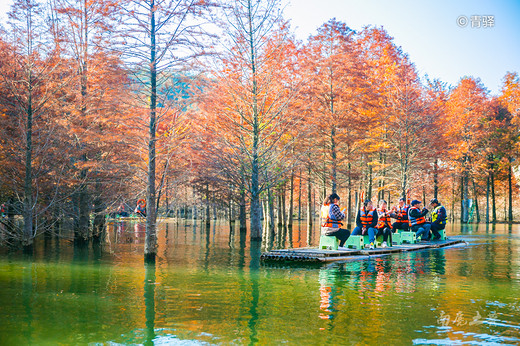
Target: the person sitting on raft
pixel 140 209
pixel 439 216
pixel 121 210
pixel 384 226
pixel 331 217
pixel 400 214
pixel 366 221
pixel 418 224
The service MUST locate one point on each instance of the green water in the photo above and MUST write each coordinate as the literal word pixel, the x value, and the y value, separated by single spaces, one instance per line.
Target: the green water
pixel 209 287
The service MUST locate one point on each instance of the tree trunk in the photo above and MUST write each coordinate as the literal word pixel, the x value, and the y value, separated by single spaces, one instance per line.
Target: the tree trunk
pixel 349 198
pixel 208 216
pixel 27 238
pixel 279 216
pixel 369 190
pixel 284 208
pixel 150 246
pixel 462 220
pixel 242 211
pixel 291 201
pixel 404 177
pixel 493 199
pixel 300 196
pixel 487 199
pixel 436 179
pixel 270 205
pixel 510 190
pixel 453 199
pixel 309 198
pixel 475 194
pixel 333 153
pixel 255 221
pixel 99 218
pixel 84 200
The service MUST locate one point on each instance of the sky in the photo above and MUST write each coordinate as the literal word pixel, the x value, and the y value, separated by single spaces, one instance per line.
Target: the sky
pixel 431 32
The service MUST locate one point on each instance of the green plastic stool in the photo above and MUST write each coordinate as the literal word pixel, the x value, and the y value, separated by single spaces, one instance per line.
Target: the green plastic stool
pixel 355 241
pixel 377 243
pixel 408 237
pixel 328 242
pixel 396 238
pixel 442 232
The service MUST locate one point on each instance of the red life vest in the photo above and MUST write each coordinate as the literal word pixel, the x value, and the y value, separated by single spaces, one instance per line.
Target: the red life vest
pixel 383 221
pixel 415 220
pixel 326 220
pixel 366 217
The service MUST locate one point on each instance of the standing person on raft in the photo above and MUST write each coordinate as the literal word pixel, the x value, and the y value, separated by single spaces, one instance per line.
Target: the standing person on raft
pixel 331 217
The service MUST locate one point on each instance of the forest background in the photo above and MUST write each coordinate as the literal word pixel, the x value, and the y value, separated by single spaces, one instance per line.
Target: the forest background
pixel 210 109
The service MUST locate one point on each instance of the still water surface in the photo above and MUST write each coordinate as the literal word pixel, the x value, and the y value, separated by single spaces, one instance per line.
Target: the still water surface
pixel 209 287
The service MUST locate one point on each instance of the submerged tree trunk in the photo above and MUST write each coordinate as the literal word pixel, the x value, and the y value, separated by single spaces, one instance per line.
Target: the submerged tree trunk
pixel 150 245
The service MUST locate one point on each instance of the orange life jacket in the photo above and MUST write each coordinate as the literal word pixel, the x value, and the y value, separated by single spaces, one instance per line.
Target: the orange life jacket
pixel 415 220
pixel 366 217
pixel 383 221
pixel 326 220
pixel 402 214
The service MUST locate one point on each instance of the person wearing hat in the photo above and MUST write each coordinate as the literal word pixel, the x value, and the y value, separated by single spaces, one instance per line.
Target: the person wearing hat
pixel 417 220
pixel 439 216
pixel 366 222
pixel 331 217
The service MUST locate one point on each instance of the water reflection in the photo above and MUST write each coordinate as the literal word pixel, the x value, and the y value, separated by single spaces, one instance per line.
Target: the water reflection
pixel 149 302
pixel 27 296
pixel 254 277
pixel 210 287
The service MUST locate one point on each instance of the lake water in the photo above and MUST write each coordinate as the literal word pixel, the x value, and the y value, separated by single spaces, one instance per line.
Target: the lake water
pixel 209 287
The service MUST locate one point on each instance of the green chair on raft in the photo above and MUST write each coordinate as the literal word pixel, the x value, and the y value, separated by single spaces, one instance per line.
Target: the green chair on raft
pixel 328 243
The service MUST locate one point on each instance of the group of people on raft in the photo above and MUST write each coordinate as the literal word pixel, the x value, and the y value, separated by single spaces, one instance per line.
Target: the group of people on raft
pixel 376 222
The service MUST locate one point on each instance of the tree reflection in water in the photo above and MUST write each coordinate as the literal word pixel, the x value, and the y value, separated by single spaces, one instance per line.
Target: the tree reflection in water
pixel 149 302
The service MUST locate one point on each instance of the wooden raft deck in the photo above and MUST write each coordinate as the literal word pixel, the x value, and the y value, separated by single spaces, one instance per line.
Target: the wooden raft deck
pixel 315 255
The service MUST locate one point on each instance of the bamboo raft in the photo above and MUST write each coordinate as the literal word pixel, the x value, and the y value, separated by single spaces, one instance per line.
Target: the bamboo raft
pixel 344 254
